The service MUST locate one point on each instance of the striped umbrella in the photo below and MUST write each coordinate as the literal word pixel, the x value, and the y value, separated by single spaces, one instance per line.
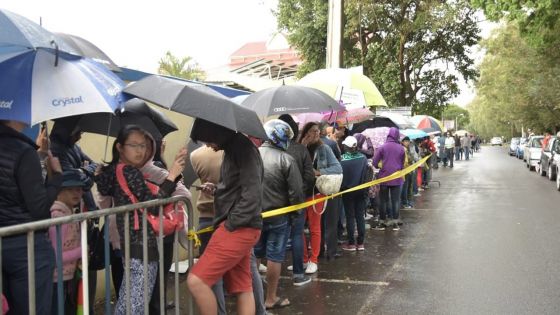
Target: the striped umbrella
pixel 424 122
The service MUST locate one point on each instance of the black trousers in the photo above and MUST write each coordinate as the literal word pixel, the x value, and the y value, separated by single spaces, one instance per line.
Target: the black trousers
pixel 329 226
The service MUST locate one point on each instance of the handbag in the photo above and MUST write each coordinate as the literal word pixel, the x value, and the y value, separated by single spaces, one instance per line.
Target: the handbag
pixel 172 220
pixel 96 247
pixel 329 184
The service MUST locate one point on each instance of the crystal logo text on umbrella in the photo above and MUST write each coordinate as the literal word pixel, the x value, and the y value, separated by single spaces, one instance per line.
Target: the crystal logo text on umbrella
pixel 67 101
pixel 6 104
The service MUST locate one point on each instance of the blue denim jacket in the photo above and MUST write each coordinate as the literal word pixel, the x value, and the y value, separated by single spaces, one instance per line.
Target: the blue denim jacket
pixel 327 163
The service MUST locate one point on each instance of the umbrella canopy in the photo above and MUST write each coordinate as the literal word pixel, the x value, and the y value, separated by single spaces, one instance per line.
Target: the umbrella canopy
pixel 378 121
pixel 402 121
pixel 19 33
pixel 350 116
pixel 133 112
pixel 348 85
pixel 414 133
pixel 197 100
pixel 42 84
pixel 424 121
pixel 87 49
pixel 378 136
pixel 239 99
pixel 289 99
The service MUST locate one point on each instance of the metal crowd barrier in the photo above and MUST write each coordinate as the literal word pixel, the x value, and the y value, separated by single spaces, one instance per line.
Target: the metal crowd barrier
pixel 83 218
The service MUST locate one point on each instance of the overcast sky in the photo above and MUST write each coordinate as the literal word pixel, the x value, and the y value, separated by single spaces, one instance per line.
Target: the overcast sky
pixel 136 34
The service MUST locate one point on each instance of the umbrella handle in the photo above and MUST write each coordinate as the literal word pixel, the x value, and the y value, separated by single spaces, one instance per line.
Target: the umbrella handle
pixel 55 52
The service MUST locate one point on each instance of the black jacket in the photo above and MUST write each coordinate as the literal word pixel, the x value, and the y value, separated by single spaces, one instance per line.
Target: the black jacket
pixel 282 184
pixel 24 196
pixel 300 153
pixel 238 197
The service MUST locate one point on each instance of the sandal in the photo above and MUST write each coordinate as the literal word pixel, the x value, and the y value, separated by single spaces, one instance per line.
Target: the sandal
pixel 280 303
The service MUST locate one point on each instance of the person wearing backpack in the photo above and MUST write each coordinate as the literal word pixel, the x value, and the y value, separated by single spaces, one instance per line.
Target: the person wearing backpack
pixel 130 151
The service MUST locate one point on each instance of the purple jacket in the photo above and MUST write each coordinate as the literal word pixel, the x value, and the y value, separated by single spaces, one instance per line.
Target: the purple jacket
pixel 391 155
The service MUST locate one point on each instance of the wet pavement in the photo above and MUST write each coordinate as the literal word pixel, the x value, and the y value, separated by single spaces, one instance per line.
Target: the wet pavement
pixel 485 242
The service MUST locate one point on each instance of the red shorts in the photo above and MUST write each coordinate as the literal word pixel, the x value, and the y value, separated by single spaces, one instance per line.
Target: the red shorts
pixel 228 256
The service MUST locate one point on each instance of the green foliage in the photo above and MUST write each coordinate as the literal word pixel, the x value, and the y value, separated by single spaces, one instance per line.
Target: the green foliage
pixel 518 87
pixel 180 67
pixel 415 51
pixel 453 112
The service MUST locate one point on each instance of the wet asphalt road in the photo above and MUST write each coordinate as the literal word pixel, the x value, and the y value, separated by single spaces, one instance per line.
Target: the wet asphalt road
pixel 485 242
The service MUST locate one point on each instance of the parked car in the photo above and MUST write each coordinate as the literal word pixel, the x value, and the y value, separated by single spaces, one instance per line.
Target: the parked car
pixel 547 162
pixel 496 141
pixel 513 146
pixel 520 148
pixel 532 151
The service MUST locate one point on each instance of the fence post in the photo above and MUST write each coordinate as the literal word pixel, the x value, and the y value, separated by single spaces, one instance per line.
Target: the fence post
pixel 31 271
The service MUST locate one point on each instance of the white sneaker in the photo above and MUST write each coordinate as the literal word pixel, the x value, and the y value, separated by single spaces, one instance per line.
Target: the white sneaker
pixel 311 268
pixel 291 267
pixel 262 268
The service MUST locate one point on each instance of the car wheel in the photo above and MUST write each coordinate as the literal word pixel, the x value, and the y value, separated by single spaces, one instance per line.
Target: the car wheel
pixel 550 173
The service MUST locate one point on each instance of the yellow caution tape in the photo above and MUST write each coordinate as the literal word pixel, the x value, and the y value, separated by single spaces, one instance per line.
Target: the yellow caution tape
pixel 192 235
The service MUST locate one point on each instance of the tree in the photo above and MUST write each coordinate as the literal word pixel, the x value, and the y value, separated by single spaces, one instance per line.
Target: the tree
pixel 184 67
pixel 415 51
pixel 518 87
pixel 458 113
pixel 537 20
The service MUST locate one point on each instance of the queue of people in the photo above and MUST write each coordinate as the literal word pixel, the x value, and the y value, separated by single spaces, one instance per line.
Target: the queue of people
pixel 241 180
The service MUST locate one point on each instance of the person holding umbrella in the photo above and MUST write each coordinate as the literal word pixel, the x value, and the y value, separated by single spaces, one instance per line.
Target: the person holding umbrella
pixel 237 223
pixel 26 197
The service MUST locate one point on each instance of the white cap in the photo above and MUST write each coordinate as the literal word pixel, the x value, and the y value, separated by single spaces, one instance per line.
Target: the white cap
pixel 350 141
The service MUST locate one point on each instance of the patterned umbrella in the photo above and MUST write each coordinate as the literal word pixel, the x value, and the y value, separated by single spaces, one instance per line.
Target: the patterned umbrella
pixel 424 122
pixel 378 135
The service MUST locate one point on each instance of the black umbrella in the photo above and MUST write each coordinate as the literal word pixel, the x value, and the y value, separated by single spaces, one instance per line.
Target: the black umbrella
pixel 199 101
pixel 290 99
pixel 378 121
pixel 134 112
pixel 87 49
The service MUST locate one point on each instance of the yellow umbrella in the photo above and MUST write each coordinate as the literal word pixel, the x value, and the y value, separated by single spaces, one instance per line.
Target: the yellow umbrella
pixel 349 85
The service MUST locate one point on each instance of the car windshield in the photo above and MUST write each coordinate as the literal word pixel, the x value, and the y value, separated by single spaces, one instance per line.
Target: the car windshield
pixel 537 142
pixel 523 141
pixel 515 141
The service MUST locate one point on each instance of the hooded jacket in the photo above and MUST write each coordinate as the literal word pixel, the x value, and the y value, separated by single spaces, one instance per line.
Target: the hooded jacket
pixel 391 155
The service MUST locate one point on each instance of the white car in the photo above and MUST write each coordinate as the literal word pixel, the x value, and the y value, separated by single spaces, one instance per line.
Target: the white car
pixel 532 151
pixel 496 141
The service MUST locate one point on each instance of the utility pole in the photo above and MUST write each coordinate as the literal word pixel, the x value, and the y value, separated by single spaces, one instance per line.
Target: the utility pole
pixel 334 34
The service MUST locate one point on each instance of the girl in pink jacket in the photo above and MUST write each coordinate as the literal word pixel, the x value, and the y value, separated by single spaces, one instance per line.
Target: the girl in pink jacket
pixel 68 198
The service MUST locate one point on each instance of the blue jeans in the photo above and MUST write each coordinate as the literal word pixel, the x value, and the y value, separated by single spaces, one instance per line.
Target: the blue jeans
pixel 415 182
pixel 355 206
pixel 295 230
pixel 390 201
pixel 466 149
pixel 14 273
pixel 406 191
pixel 457 153
pixel 273 240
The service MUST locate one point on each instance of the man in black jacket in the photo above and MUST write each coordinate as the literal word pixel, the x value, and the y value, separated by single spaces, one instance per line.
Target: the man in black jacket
pixel 237 221
pixel 297 220
pixel 282 186
pixel 25 197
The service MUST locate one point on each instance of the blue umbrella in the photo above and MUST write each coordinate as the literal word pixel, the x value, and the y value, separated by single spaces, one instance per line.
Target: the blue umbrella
pixel 414 133
pixel 34 89
pixel 42 79
pixel 20 33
